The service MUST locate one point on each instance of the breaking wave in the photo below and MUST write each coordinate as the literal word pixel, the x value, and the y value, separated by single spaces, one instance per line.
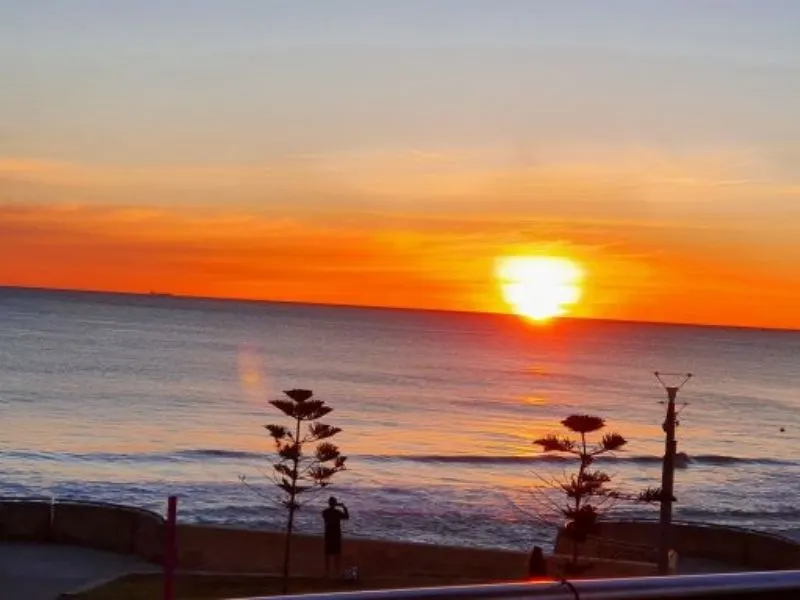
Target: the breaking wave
pixel 701 459
pixel 218 454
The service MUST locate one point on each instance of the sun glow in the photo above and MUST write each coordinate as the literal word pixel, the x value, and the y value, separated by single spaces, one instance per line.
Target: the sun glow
pixel 539 287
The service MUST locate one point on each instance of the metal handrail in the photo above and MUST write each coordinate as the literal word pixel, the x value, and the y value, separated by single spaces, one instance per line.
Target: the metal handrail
pixel 718 586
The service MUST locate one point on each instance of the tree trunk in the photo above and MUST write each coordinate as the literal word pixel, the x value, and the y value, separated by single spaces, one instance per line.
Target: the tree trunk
pixel 575 549
pixel 287 548
pixel 578 498
pixel 287 545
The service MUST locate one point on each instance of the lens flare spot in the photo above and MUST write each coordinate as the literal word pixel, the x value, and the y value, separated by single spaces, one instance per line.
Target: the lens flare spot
pixel 252 378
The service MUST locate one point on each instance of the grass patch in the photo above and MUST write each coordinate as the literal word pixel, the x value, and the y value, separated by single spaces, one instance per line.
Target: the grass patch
pixel 149 586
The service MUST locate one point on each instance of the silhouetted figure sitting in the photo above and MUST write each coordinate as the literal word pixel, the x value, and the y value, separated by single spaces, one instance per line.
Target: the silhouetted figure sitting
pixel 537 565
pixel 333 518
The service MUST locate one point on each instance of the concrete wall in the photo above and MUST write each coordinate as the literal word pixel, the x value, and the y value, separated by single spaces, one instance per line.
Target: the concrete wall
pixel 735 547
pixel 612 549
pixel 108 527
pixel 24 521
pixel 102 526
pixel 148 537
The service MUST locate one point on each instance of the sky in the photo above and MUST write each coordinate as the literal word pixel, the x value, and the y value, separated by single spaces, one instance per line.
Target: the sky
pixel 387 153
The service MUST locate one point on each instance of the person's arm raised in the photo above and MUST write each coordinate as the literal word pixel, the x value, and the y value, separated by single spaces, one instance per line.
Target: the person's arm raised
pixel 345 514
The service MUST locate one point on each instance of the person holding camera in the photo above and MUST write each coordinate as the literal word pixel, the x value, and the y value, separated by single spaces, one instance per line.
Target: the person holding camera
pixel 333 517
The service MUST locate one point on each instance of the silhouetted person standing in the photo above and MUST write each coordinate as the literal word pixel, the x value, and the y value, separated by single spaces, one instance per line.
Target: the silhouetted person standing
pixel 333 518
pixel 537 565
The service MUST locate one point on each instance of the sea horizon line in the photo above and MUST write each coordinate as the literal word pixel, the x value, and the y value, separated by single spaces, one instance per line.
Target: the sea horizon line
pixel 166 295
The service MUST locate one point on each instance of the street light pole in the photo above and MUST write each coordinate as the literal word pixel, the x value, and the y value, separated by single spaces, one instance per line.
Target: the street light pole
pixel 668 473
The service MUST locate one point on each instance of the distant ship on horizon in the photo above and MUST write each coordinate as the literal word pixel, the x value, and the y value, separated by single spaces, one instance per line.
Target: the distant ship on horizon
pixel 161 294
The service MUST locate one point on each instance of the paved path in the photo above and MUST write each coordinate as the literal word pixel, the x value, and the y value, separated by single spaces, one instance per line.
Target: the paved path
pixel 44 572
pixel 696 566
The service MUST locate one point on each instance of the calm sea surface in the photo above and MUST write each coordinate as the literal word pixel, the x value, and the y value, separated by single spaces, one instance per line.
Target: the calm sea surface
pixel 129 399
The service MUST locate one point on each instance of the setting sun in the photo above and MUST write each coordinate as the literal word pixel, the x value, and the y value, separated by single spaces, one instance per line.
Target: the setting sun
pixel 539 287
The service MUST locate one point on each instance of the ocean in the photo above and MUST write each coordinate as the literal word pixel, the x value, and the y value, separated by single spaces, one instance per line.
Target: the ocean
pixel 129 399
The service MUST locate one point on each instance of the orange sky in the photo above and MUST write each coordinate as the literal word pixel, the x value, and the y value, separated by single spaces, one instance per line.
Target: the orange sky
pixel 664 240
pixel 386 153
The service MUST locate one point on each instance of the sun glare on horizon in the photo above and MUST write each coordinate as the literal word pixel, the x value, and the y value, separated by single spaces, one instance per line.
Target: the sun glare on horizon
pixel 539 288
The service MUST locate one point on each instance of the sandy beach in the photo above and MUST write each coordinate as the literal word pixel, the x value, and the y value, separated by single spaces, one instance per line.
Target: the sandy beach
pixel 242 550
pixel 248 551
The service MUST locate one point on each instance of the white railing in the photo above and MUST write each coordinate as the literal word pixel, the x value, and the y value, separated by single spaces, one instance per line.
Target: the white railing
pixel 738 586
